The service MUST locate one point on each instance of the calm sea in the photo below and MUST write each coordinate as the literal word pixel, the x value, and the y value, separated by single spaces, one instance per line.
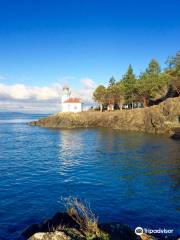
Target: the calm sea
pixel 133 178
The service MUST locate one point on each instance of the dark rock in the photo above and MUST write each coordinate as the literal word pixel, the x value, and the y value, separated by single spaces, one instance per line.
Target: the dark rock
pixel 59 219
pixel 176 134
pixel 119 231
pixel 116 231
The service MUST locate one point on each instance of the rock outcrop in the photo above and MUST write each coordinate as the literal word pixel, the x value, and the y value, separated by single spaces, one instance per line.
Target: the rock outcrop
pixel 162 119
pixel 59 219
pixel 56 235
pixel 63 227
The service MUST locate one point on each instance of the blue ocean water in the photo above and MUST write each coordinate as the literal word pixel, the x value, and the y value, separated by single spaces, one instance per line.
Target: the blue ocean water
pixel 133 178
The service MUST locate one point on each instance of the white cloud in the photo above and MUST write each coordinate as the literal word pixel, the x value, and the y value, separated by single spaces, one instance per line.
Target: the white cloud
pixel 88 83
pixel 86 91
pixel 45 99
pixel 23 92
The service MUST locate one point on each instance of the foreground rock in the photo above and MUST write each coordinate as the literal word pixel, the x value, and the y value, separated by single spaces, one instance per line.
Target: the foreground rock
pixel 176 133
pixel 162 119
pixel 63 227
pixel 59 219
pixel 57 235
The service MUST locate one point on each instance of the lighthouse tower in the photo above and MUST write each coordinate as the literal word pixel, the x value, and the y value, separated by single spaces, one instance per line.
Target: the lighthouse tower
pixel 65 94
pixel 70 104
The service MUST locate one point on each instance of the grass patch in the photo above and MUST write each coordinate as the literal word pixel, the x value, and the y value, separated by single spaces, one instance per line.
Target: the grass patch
pixel 85 218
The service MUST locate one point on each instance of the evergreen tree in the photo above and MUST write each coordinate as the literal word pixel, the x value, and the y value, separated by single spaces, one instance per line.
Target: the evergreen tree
pixel 120 93
pixel 129 82
pixel 153 68
pixel 112 81
pixel 112 91
pixel 174 72
pixel 151 82
pixel 174 64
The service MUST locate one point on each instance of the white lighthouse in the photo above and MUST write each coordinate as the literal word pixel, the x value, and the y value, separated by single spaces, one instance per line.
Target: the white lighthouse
pixel 70 104
pixel 66 94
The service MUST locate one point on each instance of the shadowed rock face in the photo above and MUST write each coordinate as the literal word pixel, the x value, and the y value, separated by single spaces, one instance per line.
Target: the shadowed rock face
pixel 176 134
pixel 50 230
pixel 59 219
pixel 161 119
pixel 118 231
pixel 47 230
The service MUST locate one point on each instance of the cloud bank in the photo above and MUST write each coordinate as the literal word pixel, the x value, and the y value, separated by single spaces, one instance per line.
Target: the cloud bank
pixel 20 97
pixel 23 92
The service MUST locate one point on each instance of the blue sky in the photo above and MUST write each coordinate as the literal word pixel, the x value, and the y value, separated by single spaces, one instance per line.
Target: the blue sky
pixel 82 43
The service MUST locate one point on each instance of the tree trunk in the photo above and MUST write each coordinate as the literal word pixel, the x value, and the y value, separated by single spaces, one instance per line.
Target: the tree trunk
pixel 101 107
pixel 120 106
pixel 145 102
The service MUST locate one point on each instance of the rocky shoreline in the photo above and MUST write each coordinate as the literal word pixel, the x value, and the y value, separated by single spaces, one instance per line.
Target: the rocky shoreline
pixel 70 230
pixel 160 119
pixel 50 230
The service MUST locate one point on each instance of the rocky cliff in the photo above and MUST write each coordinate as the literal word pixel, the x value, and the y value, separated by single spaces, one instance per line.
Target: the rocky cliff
pixel 162 119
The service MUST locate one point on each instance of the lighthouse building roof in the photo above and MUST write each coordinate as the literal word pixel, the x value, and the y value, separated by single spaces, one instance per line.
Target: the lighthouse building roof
pixel 73 100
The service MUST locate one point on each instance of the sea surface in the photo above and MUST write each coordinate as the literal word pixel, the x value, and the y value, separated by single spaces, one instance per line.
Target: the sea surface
pixel 133 178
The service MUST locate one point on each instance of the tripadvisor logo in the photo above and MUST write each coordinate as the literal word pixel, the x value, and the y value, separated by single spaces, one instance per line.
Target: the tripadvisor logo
pixel 139 231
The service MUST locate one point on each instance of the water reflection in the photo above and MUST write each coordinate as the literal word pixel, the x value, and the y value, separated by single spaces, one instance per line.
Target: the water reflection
pixel 125 172
pixel 69 146
pixel 129 177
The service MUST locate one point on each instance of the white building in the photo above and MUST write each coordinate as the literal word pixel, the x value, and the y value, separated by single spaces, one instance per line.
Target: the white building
pixel 70 104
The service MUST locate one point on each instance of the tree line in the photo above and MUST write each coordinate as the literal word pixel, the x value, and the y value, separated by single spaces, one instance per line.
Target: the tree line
pixel 151 87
